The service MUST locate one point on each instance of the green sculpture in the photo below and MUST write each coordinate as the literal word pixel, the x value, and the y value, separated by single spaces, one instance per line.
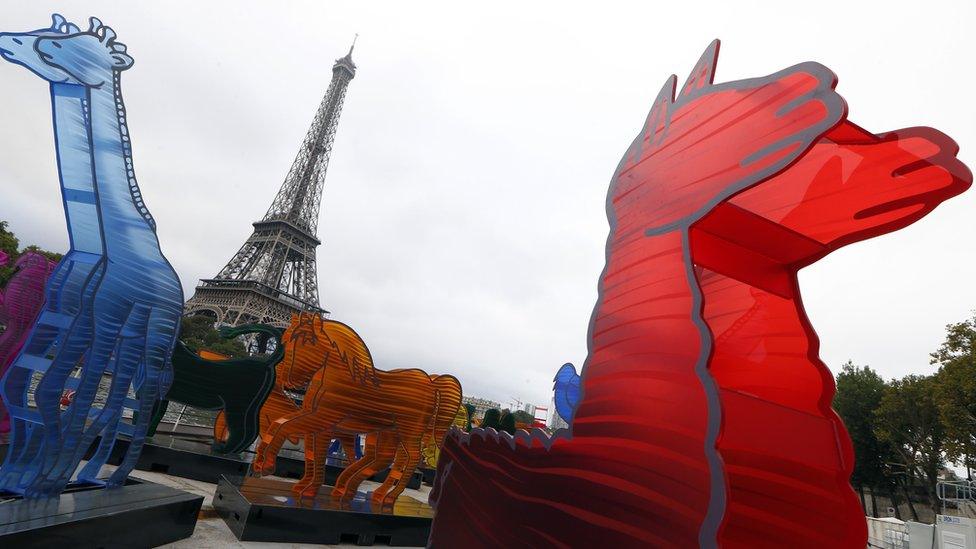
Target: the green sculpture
pixel 491 419
pixel 238 386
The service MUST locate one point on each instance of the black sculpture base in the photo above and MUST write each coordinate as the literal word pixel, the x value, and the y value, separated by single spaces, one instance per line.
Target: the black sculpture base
pixel 263 509
pixel 196 460
pixel 139 514
pixel 291 464
pixel 183 458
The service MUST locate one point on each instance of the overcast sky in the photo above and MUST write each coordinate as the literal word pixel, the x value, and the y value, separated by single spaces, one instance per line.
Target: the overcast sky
pixel 463 221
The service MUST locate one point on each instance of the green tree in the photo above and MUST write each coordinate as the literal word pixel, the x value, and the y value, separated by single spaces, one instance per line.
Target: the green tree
pixel 507 422
pixel 859 393
pixel 8 240
pixel 53 256
pixel 521 416
pixel 10 245
pixel 491 419
pixel 198 332
pixel 471 410
pixel 908 417
pixel 956 395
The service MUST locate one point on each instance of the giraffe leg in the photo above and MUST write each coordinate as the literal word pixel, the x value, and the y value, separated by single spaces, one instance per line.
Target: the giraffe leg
pixel 91 470
pixel 32 441
pixel 109 348
pixel 155 378
pixel 129 351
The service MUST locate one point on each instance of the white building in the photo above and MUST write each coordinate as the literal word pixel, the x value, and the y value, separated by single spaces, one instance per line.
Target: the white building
pixel 481 405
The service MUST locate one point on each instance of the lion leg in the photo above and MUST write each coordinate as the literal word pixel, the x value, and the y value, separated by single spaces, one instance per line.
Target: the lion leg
pixel 378 453
pixel 295 424
pixel 316 450
pixel 404 464
pixel 348 443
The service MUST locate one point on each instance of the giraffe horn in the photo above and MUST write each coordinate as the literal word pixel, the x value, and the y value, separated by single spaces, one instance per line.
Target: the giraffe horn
pixel 107 35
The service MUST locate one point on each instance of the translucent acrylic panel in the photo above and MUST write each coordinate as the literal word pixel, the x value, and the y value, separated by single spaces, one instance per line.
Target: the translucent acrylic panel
pixel 705 414
pixel 22 300
pixel 113 305
pixel 345 396
pixel 237 387
pixel 566 391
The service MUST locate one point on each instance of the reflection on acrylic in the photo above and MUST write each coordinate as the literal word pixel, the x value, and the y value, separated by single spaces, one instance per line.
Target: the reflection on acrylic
pixel 113 303
pixel 346 395
pixel 705 414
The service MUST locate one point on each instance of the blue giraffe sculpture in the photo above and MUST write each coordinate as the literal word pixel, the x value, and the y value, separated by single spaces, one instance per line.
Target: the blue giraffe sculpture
pixel 81 266
pixel 129 312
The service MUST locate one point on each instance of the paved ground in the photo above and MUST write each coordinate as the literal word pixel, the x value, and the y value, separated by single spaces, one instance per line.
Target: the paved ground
pixel 211 531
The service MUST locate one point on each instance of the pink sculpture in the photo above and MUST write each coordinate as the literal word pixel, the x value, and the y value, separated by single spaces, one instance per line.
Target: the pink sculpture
pixel 20 303
pixel 4 258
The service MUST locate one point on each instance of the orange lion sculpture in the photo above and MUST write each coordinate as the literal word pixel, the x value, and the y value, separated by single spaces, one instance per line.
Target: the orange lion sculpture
pixel 345 396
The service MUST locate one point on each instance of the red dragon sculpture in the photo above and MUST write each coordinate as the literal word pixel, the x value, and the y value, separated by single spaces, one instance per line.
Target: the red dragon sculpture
pixel 705 416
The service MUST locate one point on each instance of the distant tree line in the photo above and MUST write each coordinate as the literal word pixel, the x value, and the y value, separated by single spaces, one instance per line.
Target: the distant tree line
pixel 198 333
pixel 907 431
pixel 505 420
pixel 10 245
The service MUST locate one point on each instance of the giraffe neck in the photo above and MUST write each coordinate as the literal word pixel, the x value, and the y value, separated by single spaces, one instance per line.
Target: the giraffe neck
pixel 70 108
pixel 119 198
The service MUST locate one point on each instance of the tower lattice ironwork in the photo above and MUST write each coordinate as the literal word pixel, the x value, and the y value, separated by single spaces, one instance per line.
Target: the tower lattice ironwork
pixel 273 274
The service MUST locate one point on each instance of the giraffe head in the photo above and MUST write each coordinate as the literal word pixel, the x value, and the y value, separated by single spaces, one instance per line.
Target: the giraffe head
pixel 91 57
pixel 21 48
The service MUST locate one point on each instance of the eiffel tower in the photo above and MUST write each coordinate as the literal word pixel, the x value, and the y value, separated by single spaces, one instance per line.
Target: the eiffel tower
pixel 273 274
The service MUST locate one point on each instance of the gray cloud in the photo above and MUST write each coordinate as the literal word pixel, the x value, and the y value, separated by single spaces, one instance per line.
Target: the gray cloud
pixel 463 214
